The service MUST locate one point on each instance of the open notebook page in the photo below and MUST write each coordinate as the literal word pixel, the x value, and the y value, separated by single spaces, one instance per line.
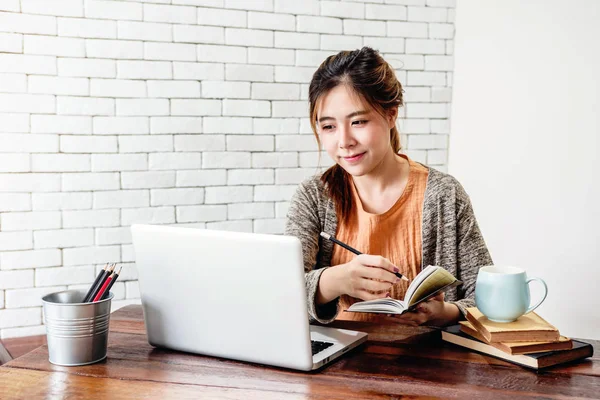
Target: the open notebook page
pixel 436 280
pixel 417 282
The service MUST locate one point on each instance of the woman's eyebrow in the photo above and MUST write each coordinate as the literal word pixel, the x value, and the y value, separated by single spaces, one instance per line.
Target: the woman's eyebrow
pixel 353 114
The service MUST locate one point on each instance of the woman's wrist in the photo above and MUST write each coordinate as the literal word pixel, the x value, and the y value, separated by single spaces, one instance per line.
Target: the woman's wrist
pixel 327 289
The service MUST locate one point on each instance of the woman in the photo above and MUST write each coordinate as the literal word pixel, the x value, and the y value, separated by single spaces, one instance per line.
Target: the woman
pixel 401 214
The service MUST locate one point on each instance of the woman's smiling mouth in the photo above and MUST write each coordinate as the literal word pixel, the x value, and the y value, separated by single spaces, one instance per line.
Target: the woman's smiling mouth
pixel 354 158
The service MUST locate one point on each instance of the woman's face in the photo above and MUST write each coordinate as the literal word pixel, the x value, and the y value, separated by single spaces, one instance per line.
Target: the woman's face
pixel 354 135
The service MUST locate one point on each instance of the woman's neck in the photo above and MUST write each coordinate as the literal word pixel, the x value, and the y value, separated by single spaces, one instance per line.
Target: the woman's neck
pixel 391 171
pixel 380 189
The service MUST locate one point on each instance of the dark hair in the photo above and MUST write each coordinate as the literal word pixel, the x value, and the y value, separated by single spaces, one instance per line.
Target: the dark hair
pixel 373 79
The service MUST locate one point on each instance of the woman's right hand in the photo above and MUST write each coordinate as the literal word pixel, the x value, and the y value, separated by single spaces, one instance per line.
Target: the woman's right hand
pixel 365 277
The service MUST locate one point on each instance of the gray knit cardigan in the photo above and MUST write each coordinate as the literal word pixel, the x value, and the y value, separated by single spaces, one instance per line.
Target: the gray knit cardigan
pixel 451 237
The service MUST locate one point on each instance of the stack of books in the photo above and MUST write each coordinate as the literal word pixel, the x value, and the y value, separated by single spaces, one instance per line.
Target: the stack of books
pixel 529 341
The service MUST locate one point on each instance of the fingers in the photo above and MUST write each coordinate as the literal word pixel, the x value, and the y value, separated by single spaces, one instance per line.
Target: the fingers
pixel 428 305
pixel 375 286
pixel 358 281
pixel 377 261
pixel 370 277
pixel 423 308
pixel 379 274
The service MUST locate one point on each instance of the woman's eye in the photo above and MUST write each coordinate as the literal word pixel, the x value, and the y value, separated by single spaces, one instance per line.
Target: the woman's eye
pixel 361 122
pixel 327 127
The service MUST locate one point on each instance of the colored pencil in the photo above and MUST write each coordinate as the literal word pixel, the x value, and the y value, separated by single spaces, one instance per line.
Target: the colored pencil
pixel 353 250
pixel 97 283
pixel 89 292
pixel 97 287
pixel 112 282
pixel 103 288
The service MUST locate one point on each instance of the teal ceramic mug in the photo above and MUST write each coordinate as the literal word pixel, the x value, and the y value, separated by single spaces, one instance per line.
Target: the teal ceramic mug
pixel 502 293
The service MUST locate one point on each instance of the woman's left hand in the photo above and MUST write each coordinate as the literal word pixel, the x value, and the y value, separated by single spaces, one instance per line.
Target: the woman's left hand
pixel 435 312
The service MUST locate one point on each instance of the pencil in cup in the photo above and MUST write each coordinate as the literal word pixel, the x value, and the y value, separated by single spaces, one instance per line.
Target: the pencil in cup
pixel 113 278
pixel 104 282
pixel 353 250
pixel 98 283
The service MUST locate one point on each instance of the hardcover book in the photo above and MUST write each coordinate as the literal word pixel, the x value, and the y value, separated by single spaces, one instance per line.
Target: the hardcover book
pixel 563 343
pixel 580 350
pixel 527 328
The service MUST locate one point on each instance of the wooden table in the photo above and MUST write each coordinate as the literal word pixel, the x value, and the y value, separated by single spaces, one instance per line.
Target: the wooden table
pixel 396 362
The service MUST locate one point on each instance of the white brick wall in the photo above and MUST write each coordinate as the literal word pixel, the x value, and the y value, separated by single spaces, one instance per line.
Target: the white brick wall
pixel 87 28
pixel 58 85
pixel 194 113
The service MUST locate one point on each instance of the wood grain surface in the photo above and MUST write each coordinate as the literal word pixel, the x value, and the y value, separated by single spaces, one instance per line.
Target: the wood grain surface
pixel 396 362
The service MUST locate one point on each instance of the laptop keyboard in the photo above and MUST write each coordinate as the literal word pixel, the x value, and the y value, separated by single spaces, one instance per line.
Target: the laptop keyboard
pixel 318 347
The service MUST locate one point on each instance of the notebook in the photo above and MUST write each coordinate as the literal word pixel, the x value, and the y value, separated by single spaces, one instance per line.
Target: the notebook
pixel 580 350
pixel 428 283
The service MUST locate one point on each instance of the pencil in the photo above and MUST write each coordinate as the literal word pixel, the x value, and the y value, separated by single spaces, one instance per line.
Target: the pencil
pixel 91 289
pixel 353 250
pixel 110 285
pixel 105 285
pixel 97 287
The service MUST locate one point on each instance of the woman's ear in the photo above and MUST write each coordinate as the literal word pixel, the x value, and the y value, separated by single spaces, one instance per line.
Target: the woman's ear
pixel 392 116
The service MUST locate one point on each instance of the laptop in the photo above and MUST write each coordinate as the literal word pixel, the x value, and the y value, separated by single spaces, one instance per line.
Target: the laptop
pixel 234 295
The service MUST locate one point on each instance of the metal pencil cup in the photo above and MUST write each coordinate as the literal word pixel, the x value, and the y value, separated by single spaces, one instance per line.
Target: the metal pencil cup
pixel 77 332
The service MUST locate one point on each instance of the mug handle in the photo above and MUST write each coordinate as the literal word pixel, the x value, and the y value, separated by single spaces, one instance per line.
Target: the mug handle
pixel 530 309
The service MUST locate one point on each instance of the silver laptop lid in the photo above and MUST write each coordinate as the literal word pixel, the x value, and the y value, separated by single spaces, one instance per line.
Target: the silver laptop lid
pixel 227 294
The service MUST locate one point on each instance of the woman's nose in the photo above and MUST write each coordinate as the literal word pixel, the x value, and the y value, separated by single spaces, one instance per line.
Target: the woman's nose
pixel 345 138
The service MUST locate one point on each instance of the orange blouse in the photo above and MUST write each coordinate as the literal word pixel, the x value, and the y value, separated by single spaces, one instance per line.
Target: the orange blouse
pixel 395 235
